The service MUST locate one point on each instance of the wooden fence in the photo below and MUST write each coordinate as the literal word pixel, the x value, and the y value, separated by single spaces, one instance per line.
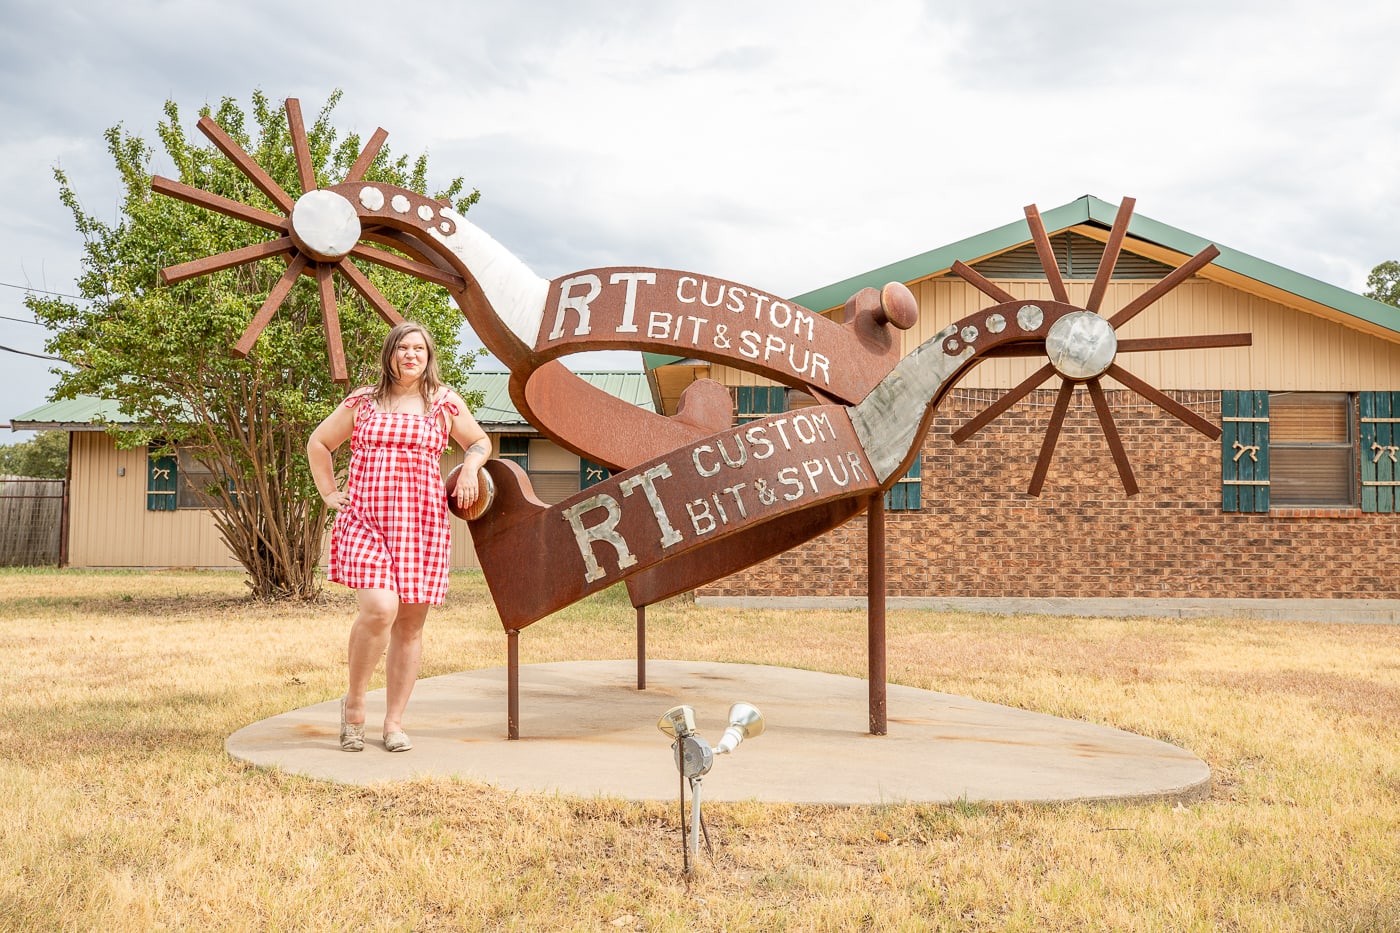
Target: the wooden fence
pixel 31 521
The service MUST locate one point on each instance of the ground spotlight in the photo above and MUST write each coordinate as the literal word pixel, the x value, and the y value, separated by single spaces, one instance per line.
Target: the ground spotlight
pixel 694 758
pixel 677 722
pixel 745 722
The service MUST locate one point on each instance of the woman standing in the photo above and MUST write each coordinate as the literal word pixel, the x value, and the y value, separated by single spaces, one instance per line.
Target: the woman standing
pixel 391 540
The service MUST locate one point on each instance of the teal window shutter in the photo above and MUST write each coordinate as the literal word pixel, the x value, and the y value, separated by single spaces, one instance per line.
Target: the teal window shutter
pixel 907 494
pixel 777 399
pixel 1244 451
pixel 590 473
pixel 162 480
pixel 517 449
pixel 754 402
pixel 1380 450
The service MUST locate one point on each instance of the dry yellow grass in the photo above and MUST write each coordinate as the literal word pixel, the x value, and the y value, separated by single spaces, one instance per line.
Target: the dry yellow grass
pixel 120 811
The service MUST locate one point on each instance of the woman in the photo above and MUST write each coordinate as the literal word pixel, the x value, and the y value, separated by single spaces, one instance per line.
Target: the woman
pixel 391 540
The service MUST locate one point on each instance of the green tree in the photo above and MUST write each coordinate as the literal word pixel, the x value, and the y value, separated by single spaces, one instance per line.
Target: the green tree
pixel 45 456
pixel 162 352
pixel 1383 284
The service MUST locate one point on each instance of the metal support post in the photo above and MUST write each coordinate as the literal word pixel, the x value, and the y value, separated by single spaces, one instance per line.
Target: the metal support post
pixel 875 610
pixel 512 683
pixel 641 647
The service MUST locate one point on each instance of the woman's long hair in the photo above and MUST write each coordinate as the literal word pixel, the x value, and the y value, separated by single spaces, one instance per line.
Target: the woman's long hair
pixel 431 380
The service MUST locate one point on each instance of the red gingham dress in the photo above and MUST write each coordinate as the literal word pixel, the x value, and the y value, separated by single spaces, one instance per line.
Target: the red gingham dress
pixel 393 531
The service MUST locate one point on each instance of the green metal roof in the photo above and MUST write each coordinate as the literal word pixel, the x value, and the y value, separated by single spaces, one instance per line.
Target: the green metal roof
pixel 497 410
pixel 84 413
pixel 1091 209
pixel 88 413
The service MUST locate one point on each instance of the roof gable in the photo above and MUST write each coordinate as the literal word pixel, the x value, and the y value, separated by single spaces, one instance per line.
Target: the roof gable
pixel 1077 255
pixel 1088 214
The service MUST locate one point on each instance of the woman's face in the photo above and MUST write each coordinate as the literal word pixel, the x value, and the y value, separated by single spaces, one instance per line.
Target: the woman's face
pixel 410 358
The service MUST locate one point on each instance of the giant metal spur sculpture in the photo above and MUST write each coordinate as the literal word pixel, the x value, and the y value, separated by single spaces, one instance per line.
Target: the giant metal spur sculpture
pixel 692 497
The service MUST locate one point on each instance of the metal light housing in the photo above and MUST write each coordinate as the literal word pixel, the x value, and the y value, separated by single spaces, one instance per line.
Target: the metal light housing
pixel 677 722
pixel 745 722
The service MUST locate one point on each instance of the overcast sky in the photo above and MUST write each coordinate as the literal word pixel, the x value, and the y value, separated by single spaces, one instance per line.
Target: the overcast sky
pixel 787 145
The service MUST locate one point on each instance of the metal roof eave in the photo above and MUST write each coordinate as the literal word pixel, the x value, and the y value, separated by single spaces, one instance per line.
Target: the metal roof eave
pixel 81 413
pixel 1091 209
pixel 1349 303
pixel 941 259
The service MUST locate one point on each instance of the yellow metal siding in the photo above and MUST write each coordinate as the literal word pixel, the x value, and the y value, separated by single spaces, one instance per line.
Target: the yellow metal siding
pixel 737 377
pixel 1292 350
pixel 110 527
pixel 109 524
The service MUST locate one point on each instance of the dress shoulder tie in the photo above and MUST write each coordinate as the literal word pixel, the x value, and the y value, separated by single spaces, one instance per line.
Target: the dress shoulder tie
pixel 359 395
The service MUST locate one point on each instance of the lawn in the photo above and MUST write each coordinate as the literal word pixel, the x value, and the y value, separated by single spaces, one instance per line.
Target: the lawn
pixel 119 809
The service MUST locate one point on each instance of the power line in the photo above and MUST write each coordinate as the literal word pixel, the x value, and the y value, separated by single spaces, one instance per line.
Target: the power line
pixel 37 356
pixel 21 320
pixel 43 291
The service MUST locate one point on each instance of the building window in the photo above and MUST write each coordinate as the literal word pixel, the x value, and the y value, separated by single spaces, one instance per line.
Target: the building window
pixel 180 482
pixel 516 449
pixel 1312 450
pixel 1288 450
pixel 196 484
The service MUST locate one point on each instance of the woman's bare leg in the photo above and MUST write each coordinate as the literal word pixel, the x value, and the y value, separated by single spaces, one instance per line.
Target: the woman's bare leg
pixel 405 652
pixel 369 636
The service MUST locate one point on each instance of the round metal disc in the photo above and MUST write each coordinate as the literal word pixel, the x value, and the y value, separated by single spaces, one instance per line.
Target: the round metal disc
pixel 325 225
pixel 1081 345
pixel 485 496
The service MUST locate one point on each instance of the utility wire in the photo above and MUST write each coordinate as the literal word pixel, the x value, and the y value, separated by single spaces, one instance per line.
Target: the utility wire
pixel 42 291
pixel 37 356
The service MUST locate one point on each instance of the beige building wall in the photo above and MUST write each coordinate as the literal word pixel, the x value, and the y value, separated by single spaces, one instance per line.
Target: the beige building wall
pixel 1291 349
pixel 109 525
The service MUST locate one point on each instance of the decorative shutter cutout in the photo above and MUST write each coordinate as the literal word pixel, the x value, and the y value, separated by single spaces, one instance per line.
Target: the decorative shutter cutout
pixel 1380 440
pixel 590 473
pixel 162 481
pixel 1244 451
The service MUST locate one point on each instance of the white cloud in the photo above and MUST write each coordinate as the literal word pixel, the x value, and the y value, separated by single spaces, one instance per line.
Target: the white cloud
pixel 786 144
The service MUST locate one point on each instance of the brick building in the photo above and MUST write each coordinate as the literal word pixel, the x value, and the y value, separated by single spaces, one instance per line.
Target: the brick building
pixel 1295 500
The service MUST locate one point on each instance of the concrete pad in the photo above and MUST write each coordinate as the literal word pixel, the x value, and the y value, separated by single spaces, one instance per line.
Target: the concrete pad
pixel 587 731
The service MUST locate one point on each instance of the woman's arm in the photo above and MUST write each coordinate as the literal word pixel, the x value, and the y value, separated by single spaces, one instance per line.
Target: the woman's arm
pixel 477 445
pixel 329 435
